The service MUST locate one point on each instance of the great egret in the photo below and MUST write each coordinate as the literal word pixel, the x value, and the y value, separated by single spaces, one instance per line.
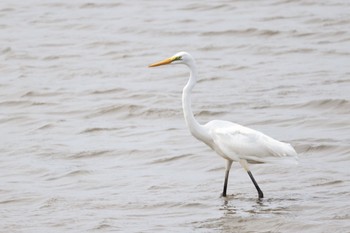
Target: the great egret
pixel 231 141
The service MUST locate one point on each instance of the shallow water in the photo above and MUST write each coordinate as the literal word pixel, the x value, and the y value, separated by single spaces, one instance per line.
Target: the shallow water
pixel 94 141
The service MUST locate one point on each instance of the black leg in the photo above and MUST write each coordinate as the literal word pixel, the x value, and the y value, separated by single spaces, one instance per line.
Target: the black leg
pixel 225 183
pixel 228 167
pixel 261 195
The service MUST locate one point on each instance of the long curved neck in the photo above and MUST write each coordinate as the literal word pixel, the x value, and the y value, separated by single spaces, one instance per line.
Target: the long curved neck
pixel 196 129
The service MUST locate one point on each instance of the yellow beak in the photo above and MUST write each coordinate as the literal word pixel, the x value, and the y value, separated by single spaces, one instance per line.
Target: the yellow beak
pixel 164 62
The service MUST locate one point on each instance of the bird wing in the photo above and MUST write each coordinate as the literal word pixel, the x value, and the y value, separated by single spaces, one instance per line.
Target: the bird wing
pixel 239 142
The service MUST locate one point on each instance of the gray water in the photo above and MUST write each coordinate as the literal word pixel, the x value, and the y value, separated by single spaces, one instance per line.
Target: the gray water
pixel 94 141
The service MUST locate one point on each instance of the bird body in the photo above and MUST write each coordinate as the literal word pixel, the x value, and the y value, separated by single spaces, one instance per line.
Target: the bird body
pixel 235 142
pixel 231 141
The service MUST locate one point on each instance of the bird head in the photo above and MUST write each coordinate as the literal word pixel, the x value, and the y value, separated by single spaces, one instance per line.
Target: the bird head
pixel 178 58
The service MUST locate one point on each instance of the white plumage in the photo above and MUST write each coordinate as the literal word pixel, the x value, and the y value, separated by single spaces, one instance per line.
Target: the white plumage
pixel 235 142
pixel 231 141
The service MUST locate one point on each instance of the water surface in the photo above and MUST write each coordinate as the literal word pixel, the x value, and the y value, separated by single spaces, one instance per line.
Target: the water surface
pixel 94 141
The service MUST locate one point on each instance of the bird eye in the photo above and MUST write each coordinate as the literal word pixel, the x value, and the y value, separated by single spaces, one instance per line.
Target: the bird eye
pixel 177 58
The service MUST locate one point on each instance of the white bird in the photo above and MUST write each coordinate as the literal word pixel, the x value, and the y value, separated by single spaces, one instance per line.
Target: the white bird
pixel 231 141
